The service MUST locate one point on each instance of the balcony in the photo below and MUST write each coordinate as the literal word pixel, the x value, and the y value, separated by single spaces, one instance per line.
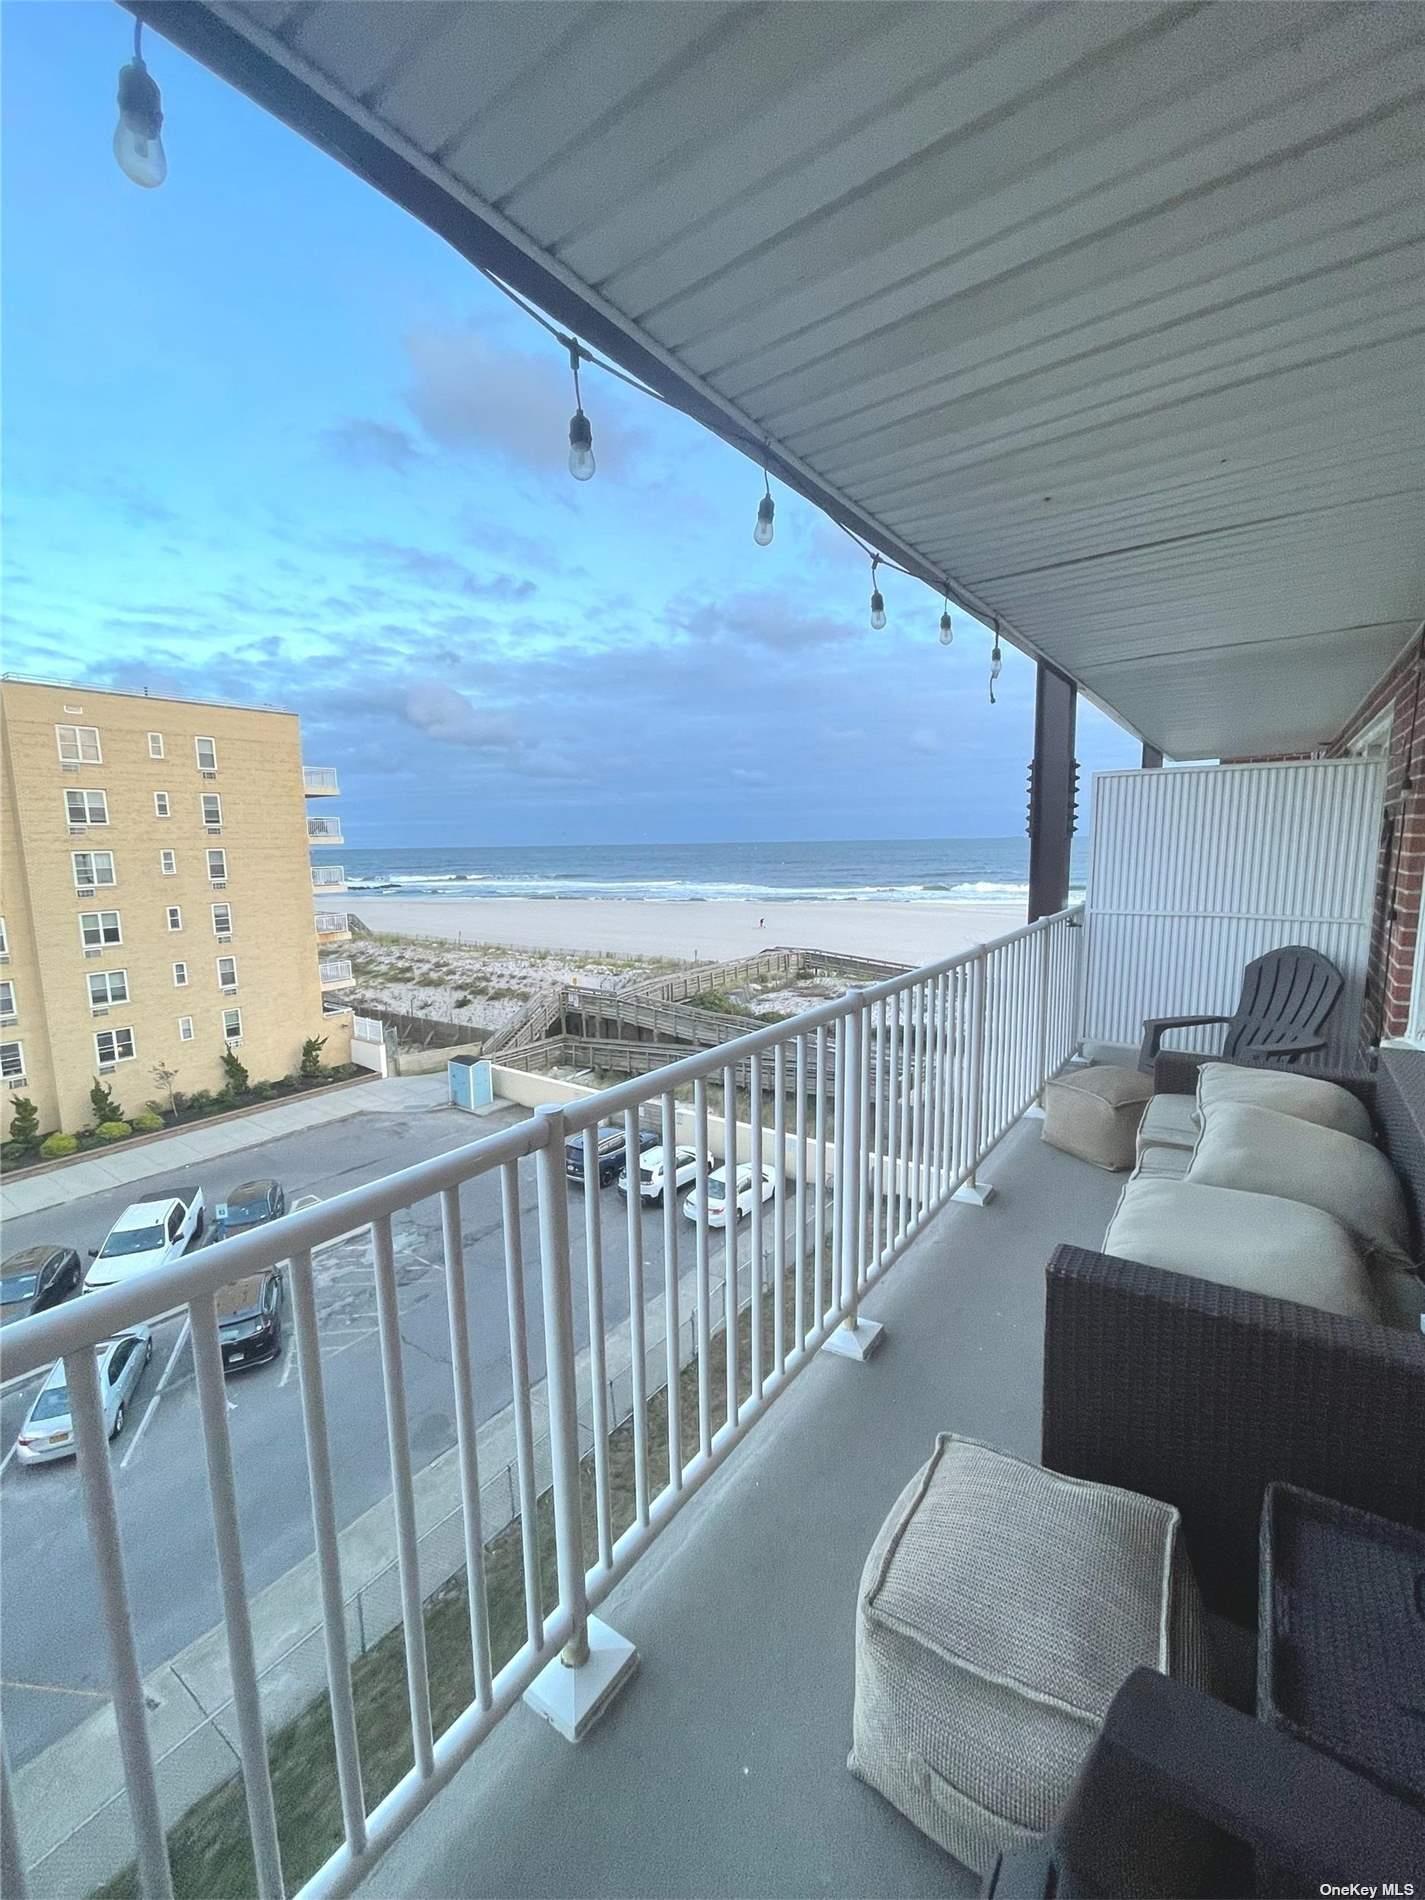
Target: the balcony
pixel 332 926
pixel 324 831
pixel 336 973
pixel 320 781
pixel 328 877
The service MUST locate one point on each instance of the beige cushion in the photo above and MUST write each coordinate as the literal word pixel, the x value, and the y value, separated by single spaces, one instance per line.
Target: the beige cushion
pixel 1094 1113
pixel 1001 1608
pixel 1160 1163
pixel 1306 1097
pixel 1256 1242
pixel 1264 1152
pixel 1169 1121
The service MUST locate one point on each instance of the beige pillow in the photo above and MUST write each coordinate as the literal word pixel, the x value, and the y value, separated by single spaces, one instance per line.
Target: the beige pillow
pixel 1263 1152
pixel 1306 1097
pixel 1255 1242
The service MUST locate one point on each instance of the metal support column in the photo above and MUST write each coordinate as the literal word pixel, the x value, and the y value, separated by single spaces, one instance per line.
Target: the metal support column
pixel 1152 757
pixel 1053 777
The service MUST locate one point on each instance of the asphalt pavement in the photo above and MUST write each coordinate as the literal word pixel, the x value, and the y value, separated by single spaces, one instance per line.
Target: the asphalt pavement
pixel 54 1665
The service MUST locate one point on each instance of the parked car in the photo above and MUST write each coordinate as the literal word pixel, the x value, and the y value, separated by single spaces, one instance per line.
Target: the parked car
pixel 48 1430
pixel 612 1153
pixel 250 1318
pixel 653 1172
pixel 37 1277
pixel 716 1186
pixel 147 1235
pixel 249 1204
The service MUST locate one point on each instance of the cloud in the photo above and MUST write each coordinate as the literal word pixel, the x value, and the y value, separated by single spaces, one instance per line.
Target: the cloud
pixel 363 444
pixel 441 712
pixel 765 619
pixel 749 775
pixel 922 739
pixel 465 393
pixel 442 572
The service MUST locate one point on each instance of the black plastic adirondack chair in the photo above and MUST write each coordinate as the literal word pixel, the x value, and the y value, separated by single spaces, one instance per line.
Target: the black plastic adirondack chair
pixel 1287 999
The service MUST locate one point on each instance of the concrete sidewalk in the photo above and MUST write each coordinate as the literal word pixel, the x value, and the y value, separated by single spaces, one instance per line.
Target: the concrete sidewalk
pixel 206 1141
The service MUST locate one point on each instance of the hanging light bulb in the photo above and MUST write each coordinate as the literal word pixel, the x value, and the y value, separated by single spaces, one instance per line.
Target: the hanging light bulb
pixel 581 436
pixel 766 510
pixel 137 144
pixel 878 605
pixel 947 630
pixel 996 663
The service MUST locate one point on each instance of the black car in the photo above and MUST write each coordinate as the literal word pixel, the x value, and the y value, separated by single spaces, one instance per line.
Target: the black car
pixel 35 1278
pixel 611 1153
pixel 250 1319
pixel 249 1204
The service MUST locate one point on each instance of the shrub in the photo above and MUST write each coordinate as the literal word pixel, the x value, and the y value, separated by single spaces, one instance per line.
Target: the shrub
pixel 311 1063
pixel 106 1107
pixel 200 1101
pixel 259 1091
pixel 149 1122
pixel 113 1131
pixel 235 1071
pixel 25 1126
pixel 53 1146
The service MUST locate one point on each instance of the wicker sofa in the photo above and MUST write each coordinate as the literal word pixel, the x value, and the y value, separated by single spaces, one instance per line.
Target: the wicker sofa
pixel 1200 1394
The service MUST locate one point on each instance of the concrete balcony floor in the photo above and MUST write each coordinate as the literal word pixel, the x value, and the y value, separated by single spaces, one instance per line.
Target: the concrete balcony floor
pixel 722 1768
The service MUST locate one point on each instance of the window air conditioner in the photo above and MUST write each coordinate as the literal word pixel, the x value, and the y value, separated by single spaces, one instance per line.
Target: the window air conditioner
pixel 84 890
pixel 94 953
pixel 207 774
pixel 225 936
pixel 220 883
pixel 77 831
pixel 229 989
pixel 99 1009
pixel 215 831
pixel 107 1068
pixel 15 1082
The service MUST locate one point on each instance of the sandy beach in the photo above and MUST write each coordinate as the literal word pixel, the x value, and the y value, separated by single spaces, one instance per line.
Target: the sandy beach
pixel 903 933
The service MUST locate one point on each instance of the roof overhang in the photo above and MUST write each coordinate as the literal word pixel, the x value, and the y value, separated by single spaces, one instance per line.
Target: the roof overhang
pixel 1107 316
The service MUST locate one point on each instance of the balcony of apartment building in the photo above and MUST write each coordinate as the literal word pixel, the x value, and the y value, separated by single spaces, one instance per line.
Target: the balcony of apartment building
pixel 324 831
pixel 336 973
pixel 328 879
pixel 332 926
pixel 1105 408
pixel 320 781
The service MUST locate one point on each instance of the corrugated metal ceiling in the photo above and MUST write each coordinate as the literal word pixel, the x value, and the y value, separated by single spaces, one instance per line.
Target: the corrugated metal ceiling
pixel 1110 312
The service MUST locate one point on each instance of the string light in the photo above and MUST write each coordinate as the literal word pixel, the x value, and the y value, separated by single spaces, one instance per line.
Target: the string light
pixel 137 144
pixel 581 436
pixel 878 605
pixel 996 661
pixel 766 510
pixel 947 630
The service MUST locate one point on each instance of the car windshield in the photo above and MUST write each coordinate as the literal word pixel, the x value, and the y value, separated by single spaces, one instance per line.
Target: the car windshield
pixel 132 1240
pixel 241 1212
pixel 53 1402
pixel 18 1286
pixel 717 1181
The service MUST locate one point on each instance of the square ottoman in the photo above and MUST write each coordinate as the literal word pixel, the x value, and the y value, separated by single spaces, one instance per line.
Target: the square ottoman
pixel 1001 1608
pixel 1094 1113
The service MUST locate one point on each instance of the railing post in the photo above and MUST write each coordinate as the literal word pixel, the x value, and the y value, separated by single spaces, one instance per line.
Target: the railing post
pixel 573 1691
pixel 855 1338
pixel 1041 1036
pixel 977 1192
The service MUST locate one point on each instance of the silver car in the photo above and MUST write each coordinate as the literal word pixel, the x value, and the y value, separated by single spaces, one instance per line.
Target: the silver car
pixel 48 1430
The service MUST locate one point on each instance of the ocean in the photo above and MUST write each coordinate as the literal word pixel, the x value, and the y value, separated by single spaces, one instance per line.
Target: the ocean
pixel 894 871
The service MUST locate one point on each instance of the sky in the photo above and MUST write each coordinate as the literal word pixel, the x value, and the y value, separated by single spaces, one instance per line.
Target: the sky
pixel 267 439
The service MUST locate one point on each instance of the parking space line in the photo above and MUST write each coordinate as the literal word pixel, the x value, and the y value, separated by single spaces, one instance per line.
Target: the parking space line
pixel 53 1688
pixel 158 1391
pixel 288 1359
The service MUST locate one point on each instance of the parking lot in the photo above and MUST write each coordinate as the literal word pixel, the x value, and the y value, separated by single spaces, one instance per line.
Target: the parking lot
pixel 54 1660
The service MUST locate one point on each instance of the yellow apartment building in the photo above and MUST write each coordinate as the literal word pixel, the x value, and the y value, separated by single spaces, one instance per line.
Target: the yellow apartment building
pixel 156 897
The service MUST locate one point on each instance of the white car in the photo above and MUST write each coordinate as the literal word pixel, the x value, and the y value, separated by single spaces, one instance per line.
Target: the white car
pixel 653 1172
pixel 147 1235
pixel 48 1430
pixel 717 1193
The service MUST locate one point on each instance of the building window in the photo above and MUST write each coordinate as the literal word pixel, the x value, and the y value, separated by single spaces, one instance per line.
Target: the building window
pixel 232 1025
pixel 92 868
pixel 227 973
pixel 8 1011
pixel 212 808
pixel 12 1061
pixel 168 862
pixel 155 745
pixel 86 808
pixel 108 986
pixel 4 940
pixel 78 745
pixel 114 1045
pixel 222 920
pixel 161 808
pixel 218 866
pixel 175 917
pixel 207 751
pixel 185 1029
pixel 100 928
pixel 180 976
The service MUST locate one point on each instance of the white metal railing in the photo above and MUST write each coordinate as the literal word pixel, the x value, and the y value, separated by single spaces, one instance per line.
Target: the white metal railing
pixel 336 970
pixel 324 830
pixel 332 923
pixel 328 877
pixel 883 1103
pixel 319 781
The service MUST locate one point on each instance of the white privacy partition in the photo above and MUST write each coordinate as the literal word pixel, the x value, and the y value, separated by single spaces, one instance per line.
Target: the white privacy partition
pixel 1196 870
